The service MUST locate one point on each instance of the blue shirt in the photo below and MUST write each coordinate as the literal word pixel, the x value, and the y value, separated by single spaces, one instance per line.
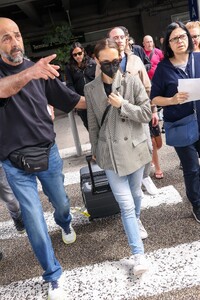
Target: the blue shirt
pixel 123 63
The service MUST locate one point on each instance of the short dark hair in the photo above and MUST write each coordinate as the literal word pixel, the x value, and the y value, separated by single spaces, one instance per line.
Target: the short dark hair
pixel 168 53
pixel 104 44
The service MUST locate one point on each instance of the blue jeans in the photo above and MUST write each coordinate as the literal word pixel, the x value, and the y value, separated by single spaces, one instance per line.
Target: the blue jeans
pixel 189 157
pixel 24 186
pixel 128 194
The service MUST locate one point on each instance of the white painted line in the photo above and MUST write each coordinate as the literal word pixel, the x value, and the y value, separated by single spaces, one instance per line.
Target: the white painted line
pixel 170 269
pixel 166 195
pixel 7 230
pixel 72 178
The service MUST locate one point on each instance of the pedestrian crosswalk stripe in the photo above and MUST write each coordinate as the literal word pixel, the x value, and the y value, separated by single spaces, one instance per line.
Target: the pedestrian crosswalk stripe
pixel 169 269
pixel 167 195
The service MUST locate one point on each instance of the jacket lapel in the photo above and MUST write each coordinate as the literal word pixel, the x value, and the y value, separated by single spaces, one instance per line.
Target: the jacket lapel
pixel 118 85
pixel 100 96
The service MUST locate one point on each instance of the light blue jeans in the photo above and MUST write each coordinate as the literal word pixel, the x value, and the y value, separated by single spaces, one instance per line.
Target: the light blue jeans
pixel 24 186
pixel 128 194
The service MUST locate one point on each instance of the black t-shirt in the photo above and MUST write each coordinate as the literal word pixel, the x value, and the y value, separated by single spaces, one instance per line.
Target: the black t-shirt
pixel 24 119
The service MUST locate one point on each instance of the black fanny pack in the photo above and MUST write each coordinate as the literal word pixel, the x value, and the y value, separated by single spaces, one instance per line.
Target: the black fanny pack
pixel 31 159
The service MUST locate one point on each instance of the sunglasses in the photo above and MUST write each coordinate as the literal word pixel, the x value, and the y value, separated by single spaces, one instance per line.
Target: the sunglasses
pixel 115 63
pixel 77 54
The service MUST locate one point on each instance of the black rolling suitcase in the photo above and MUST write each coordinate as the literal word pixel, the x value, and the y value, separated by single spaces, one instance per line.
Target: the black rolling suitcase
pixel 97 195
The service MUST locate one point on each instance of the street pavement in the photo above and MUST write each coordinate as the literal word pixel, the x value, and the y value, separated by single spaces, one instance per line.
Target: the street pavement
pixel 98 266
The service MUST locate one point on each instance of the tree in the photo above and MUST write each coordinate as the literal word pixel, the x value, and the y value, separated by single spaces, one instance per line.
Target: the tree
pixel 60 37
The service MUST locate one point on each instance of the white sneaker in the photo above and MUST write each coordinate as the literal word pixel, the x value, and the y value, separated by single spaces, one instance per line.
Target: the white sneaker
pixel 56 291
pixel 143 232
pixel 140 264
pixel 68 235
pixel 149 185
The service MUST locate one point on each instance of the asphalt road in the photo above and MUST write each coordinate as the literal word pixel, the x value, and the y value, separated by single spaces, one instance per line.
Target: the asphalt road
pixel 98 265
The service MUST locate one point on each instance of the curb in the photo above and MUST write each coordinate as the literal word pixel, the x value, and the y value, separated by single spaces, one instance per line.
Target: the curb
pixel 69 152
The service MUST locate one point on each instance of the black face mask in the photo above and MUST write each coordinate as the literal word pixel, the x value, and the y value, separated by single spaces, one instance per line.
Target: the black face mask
pixel 110 68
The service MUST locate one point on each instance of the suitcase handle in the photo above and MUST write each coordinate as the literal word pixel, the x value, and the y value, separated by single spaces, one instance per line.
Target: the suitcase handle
pixel 89 159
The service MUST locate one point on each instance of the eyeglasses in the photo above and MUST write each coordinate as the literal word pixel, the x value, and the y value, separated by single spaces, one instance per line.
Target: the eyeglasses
pixel 118 37
pixel 78 53
pixel 114 63
pixel 194 37
pixel 181 37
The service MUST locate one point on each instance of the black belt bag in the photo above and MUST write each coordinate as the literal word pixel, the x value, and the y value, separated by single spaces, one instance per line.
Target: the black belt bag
pixel 31 159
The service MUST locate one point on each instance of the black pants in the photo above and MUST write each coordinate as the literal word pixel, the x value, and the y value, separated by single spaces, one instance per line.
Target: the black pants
pixel 83 115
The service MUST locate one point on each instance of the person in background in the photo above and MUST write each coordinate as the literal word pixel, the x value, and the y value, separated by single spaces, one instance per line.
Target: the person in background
pixel 161 40
pixel 180 62
pixel 26 90
pixel 155 55
pixel 120 136
pixel 7 196
pixel 138 50
pixel 79 71
pixel 130 62
pixel 194 30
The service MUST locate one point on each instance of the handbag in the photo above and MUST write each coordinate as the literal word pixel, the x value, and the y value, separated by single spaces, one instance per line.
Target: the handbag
pixel 31 159
pixel 185 131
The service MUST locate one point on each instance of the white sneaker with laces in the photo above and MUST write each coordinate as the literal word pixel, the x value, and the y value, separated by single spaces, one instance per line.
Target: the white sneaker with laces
pixel 56 291
pixel 149 186
pixel 140 264
pixel 143 232
pixel 68 235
